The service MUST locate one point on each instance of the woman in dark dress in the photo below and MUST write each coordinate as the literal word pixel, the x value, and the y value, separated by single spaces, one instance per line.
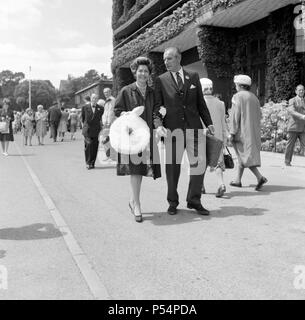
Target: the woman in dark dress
pixel 6 114
pixel 132 96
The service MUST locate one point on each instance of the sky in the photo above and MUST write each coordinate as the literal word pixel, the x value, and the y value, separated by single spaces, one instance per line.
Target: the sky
pixel 55 37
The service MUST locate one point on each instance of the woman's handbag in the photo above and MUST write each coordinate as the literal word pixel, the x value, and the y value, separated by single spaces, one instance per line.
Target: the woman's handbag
pixel 228 160
pixel 214 147
pixel 4 127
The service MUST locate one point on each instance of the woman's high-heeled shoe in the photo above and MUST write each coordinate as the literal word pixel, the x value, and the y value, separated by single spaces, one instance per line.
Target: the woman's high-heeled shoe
pixel 138 214
pixel 221 191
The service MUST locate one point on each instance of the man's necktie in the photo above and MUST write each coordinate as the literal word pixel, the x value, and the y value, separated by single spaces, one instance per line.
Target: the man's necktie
pixel 179 82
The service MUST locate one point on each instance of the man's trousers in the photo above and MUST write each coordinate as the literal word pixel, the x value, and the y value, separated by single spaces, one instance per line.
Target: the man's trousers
pixel 292 138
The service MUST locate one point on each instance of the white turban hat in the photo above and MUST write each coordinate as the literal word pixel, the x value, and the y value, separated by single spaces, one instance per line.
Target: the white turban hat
pixel 206 83
pixel 101 103
pixel 243 79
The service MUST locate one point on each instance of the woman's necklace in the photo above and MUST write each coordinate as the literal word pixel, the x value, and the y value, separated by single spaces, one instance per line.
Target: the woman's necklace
pixel 142 89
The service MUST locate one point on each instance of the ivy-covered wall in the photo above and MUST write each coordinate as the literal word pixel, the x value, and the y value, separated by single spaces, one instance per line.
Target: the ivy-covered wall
pixel 123 10
pixel 284 71
pixel 121 77
pixel 216 49
pixel 225 51
pixel 164 30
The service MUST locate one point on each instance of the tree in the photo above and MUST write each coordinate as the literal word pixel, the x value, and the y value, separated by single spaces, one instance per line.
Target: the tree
pixel 8 81
pixel 42 92
pixel 91 77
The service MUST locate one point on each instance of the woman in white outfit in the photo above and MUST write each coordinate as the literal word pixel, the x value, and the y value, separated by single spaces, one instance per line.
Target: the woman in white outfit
pixel 41 124
pixel 218 113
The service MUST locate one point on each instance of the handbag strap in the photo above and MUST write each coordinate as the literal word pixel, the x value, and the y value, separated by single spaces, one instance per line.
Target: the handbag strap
pixel 229 151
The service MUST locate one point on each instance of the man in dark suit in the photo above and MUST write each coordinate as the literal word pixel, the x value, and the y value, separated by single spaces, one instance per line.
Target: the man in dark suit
pixel 179 91
pixel 54 116
pixel 91 118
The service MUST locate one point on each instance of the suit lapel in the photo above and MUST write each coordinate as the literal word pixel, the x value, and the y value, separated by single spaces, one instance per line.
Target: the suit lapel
pixel 172 81
pixel 90 112
pixel 187 82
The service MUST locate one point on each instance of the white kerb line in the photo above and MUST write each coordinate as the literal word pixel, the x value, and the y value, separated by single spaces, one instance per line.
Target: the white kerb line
pixel 92 279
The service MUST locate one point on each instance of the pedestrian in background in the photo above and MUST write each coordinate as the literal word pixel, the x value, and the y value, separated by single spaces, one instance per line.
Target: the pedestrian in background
pixel 63 124
pixel 245 131
pixel 296 123
pixel 27 121
pixel 53 119
pixel 92 123
pixel 73 118
pixel 6 116
pixel 217 111
pixel 41 124
pixel 107 120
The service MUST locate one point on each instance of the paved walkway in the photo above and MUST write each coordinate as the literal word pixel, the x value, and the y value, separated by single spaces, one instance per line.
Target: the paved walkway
pixel 247 249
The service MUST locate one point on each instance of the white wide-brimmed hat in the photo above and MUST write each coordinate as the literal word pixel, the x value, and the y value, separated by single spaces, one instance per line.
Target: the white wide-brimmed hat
pixel 243 79
pixel 130 134
pixel 206 83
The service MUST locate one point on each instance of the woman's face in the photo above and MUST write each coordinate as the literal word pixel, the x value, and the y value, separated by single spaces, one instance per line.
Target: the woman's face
pixel 142 74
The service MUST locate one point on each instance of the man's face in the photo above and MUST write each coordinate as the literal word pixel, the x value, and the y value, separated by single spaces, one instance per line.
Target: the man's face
pixel 94 99
pixel 107 93
pixel 172 60
pixel 300 91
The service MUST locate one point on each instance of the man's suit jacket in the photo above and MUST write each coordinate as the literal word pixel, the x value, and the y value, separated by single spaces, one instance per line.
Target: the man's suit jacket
pixel 185 108
pixel 92 121
pixel 54 114
pixel 296 112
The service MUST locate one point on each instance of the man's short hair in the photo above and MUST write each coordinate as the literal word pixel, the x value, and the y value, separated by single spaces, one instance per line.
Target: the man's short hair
pixel 300 85
pixel 177 50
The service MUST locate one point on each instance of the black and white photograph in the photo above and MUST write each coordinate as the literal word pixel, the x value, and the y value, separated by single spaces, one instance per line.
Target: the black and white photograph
pixel 152 151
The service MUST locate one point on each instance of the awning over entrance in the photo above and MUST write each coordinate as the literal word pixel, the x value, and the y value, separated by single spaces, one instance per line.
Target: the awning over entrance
pixel 237 16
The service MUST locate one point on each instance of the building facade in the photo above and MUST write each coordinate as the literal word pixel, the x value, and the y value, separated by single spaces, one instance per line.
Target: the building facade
pixel 218 39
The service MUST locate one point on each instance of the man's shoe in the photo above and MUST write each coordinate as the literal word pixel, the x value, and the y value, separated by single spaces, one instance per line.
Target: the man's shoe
pixel 287 164
pixel 261 182
pixel 199 208
pixel 172 210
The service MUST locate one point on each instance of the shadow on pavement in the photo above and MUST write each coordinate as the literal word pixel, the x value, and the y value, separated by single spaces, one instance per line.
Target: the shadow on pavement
pixel 266 190
pixel 182 217
pixel 2 254
pixel 188 216
pixel 37 231
pixel 226 212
